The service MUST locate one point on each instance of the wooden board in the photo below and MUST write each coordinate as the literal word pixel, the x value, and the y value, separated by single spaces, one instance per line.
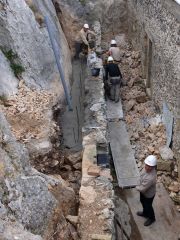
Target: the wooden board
pixel 114 110
pixel 125 165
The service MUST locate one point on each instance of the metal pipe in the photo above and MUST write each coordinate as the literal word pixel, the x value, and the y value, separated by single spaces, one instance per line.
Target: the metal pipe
pixel 56 54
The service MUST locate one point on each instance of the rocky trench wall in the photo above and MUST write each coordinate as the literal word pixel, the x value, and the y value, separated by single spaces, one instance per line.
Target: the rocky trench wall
pixel 157 23
pixel 32 204
pixel 28 199
pixel 22 30
pixel 112 15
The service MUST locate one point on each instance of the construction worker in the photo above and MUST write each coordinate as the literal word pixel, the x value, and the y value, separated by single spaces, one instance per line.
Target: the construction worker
pixel 113 76
pixel 81 42
pixel 147 189
pixel 114 51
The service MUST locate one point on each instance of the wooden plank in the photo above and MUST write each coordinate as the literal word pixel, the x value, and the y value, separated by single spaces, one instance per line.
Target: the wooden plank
pixel 167 225
pixel 114 110
pixel 125 165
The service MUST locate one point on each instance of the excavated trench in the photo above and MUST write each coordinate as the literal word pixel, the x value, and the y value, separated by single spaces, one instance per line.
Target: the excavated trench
pixel 68 142
pixel 70 139
pixel 63 162
pixel 71 123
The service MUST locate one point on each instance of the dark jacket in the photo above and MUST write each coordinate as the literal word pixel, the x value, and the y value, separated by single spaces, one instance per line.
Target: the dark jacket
pixel 112 70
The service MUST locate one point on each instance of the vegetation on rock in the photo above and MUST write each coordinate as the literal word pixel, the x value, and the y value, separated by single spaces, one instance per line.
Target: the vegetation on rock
pixel 12 58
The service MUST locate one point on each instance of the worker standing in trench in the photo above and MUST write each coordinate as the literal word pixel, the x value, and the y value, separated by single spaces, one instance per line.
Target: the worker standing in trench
pixel 114 51
pixel 147 189
pixel 81 41
pixel 113 76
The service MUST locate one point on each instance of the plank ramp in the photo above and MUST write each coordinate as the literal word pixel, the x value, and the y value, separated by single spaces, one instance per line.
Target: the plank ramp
pixel 125 165
pixel 167 225
pixel 114 110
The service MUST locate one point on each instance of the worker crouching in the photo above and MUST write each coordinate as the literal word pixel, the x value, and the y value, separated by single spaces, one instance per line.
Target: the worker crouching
pixel 147 189
pixel 113 76
pixel 81 41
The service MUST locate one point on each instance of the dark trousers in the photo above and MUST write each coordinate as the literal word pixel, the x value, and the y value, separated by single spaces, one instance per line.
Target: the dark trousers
pixel 80 47
pixel 148 210
pixel 114 88
pixel 114 92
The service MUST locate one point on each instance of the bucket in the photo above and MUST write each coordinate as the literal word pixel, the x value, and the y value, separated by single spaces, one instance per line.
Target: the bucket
pixel 95 72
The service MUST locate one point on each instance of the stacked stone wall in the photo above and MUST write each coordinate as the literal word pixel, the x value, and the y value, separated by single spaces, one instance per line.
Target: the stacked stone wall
pixel 158 22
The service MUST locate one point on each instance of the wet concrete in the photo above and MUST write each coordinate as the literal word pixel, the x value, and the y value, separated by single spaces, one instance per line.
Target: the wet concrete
pixel 72 121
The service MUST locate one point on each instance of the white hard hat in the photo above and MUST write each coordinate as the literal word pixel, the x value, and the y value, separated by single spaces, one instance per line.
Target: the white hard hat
pixel 151 160
pixel 110 59
pixel 86 25
pixel 113 41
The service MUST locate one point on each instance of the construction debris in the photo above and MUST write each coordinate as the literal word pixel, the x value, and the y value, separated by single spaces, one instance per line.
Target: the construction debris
pixel 146 129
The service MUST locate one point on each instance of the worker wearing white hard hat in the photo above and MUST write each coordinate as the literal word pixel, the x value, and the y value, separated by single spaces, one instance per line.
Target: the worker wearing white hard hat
pixel 86 26
pixel 147 189
pixel 151 161
pixel 110 59
pixel 113 78
pixel 113 41
pixel 82 39
pixel 114 51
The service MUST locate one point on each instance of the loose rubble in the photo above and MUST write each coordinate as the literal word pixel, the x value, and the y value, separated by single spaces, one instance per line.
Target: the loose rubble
pixel 145 126
pixel 27 112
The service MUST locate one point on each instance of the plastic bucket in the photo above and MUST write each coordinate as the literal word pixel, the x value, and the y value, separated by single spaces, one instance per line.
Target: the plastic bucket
pixel 95 72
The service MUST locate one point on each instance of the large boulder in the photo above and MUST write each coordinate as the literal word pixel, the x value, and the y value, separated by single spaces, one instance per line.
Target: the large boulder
pixel 166 153
pixel 166 166
pixel 27 196
pixel 15 231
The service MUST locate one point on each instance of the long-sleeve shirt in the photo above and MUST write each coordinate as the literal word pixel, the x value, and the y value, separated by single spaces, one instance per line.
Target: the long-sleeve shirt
pixel 147 183
pixel 112 70
pixel 82 36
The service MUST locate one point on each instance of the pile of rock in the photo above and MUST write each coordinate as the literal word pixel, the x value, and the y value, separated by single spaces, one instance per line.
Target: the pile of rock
pixel 147 132
pixel 28 111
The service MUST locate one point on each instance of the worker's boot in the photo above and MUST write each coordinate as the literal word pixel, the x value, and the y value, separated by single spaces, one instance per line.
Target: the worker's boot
pixel 148 222
pixel 140 214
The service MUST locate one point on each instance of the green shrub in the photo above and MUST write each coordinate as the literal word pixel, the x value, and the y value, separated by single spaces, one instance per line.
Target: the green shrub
pixel 17 69
pixel 12 58
pixel 83 2
pixel 3 98
pixel 9 55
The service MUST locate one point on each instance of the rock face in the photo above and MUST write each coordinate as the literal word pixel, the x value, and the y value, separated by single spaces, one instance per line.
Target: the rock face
pixel 26 196
pixel 73 14
pixel 15 231
pixel 22 31
pixel 112 14
pixel 8 82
